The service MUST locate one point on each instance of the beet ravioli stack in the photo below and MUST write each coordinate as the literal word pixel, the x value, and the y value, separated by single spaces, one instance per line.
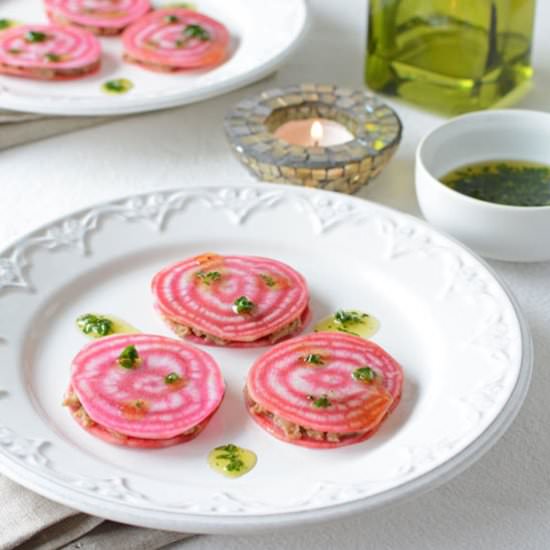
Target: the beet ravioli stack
pixel 104 17
pixel 48 52
pixel 176 39
pixel 323 390
pixel 141 390
pixel 232 300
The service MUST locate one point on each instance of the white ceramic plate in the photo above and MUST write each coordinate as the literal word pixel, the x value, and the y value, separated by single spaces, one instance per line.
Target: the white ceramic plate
pixel 464 349
pixel 264 34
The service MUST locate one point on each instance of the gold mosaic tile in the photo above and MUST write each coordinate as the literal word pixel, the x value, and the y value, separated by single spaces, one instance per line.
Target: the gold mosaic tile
pixel 319 174
pixel 335 172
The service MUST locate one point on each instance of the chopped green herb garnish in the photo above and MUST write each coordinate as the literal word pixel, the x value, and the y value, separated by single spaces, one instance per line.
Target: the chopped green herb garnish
pixel 243 305
pixel 209 277
pixel 344 317
pixel 314 358
pixel 113 85
pixel 128 358
pixel 364 374
pixel 230 453
pixel 196 31
pixel 35 36
pixel 235 465
pixel 94 325
pixel 171 18
pixel 322 402
pixel 14 51
pixel 269 281
pixel 172 378
pixel 53 57
pixel 230 448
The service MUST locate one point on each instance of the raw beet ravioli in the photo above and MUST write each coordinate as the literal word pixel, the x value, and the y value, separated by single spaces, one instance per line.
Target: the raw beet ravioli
pixel 175 39
pixel 198 296
pixel 166 398
pixel 98 16
pixel 48 52
pixel 323 390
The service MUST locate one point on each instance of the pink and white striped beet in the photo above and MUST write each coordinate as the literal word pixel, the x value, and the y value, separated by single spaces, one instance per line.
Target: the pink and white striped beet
pixel 159 41
pixel 58 53
pixel 285 385
pixel 279 294
pixel 138 402
pixel 98 16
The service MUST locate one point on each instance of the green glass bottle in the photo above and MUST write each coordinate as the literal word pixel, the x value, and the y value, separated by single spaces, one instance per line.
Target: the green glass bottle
pixel 450 56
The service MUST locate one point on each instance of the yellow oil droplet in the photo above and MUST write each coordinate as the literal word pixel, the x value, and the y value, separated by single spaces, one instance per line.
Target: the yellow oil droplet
pixel 349 321
pixel 121 327
pixel 231 461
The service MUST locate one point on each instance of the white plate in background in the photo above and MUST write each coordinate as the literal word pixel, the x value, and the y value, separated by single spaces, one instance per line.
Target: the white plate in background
pixel 264 34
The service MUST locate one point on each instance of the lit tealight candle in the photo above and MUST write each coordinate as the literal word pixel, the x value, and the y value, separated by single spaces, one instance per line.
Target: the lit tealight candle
pixel 313 132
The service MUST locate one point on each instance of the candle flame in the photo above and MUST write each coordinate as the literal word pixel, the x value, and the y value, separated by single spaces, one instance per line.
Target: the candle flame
pixel 316 132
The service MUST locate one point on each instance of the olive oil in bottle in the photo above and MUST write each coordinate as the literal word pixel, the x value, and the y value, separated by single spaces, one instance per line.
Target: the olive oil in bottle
pixel 450 56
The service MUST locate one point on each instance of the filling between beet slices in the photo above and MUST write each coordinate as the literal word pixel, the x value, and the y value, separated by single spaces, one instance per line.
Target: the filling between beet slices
pixel 293 431
pixel 83 418
pixel 160 67
pixel 48 73
pixel 183 330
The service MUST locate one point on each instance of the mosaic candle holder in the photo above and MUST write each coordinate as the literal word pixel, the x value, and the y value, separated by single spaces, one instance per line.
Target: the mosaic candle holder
pixel 345 167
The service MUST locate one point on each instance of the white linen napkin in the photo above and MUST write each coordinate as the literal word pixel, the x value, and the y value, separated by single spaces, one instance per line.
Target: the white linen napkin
pixel 31 522
pixel 18 128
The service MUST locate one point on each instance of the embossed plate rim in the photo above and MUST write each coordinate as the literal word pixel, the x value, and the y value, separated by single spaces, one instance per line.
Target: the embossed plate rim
pixel 235 523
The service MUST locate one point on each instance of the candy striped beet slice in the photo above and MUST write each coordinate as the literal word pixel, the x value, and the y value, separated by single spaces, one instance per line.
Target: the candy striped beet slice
pixel 175 39
pixel 324 389
pixel 48 52
pixel 232 299
pixel 97 16
pixel 146 386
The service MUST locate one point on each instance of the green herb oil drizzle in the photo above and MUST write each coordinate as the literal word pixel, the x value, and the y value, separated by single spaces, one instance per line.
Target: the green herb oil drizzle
pixel 231 461
pixel 117 86
pixel 95 325
pixel 349 321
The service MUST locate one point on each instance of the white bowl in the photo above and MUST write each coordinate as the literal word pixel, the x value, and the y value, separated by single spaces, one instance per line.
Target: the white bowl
pixel 513 233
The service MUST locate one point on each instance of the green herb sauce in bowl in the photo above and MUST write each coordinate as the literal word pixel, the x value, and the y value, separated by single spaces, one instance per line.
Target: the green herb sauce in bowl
pixel 515 183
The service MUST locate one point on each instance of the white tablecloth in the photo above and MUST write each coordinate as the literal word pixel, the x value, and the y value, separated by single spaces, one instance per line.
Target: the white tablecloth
pixel 502 502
